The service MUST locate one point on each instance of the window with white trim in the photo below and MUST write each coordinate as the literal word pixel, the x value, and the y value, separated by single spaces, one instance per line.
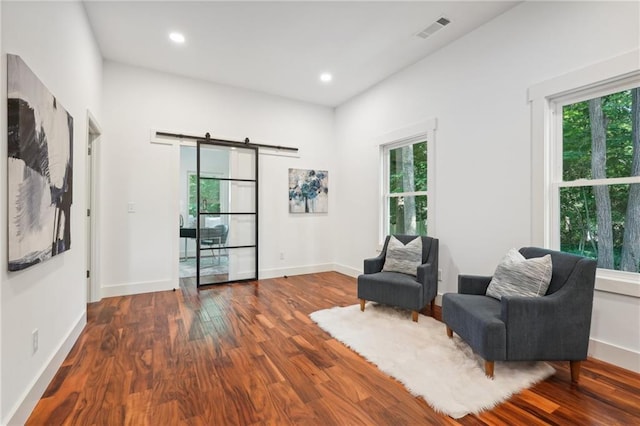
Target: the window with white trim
pixel 616 74
pixel 595 174
pixel 405 197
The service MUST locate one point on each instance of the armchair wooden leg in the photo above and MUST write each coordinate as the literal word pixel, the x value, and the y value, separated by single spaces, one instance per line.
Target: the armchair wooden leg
pixel 488 369
pixel 414 316
pixel 362 302
pixel 575 370
pixel 449 332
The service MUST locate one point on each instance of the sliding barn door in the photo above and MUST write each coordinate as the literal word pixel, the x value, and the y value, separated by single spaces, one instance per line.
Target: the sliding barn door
pixel 227 221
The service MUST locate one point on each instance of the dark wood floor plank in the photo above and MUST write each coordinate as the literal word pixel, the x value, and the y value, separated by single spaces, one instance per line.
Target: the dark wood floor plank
pixel 248 354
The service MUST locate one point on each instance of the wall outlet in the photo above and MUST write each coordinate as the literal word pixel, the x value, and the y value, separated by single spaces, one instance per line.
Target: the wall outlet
pixel 34 341
pixel 131 207
pixel 281 255
pixel 439 274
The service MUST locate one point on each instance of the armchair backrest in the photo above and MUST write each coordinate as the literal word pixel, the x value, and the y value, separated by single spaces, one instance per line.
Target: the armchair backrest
pixel 222 230
pixel 427 242
pixel 218 232
pixel 564 265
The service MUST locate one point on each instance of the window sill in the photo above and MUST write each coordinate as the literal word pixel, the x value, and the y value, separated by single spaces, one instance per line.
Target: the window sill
pixel 624 283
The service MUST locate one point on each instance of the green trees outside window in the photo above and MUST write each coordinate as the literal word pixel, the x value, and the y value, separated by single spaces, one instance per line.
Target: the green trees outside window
pixel 209 195
pixel 406 198
pixel 600 193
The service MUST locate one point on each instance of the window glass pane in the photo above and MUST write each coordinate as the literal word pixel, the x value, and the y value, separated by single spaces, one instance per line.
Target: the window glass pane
pixel 209 195
pixel 408 168
pixel 227 162
pixel 227 264
pixel 597 137
pixel 242 263
pixel 242 230
pixel 408 215
pixel 237 197
pixel 602 222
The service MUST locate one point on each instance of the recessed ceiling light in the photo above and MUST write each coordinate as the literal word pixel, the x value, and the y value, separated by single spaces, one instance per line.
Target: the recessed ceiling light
pixel 325 77
pixel 176 37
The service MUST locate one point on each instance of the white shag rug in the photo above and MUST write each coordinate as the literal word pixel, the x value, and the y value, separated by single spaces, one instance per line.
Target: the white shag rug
pixel 445 372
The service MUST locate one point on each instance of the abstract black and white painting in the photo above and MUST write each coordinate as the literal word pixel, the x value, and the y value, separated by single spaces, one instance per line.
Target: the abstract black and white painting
pixel 308 191
pixel 40 145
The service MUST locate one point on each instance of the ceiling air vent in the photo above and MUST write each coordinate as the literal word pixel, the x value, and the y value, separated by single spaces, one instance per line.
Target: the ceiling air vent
pixel 440 23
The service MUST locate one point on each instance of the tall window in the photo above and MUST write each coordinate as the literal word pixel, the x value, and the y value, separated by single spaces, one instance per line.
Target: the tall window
pixel 597 177
pixel 405 188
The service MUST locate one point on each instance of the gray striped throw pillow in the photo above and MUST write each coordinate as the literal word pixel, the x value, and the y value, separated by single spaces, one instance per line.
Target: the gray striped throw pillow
pixel 403 258
pixel 517 276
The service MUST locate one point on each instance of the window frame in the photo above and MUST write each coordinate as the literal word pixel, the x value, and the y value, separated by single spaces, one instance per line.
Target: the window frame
pixel 419 132
pixel 547 99
pixel 387 194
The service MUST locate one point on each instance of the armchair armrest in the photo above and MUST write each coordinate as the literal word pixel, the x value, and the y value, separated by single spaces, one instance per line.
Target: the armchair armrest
pixel 473 284
pixel 426 272
pixel 556 325
pixel 427 275
pixel 517 310
pixel 374 264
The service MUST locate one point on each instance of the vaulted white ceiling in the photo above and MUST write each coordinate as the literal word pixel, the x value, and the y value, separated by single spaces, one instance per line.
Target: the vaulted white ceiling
pixel 281 48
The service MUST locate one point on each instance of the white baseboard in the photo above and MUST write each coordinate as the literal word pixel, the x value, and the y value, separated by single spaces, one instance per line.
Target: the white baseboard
pixel 20 413
pixel 439 299
pixel 137 288
pixel 151 286
pixel 299 270
pixel 613 354
pixel 347 270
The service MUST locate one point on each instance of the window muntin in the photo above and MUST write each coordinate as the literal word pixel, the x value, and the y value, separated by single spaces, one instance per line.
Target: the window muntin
pixel 597 180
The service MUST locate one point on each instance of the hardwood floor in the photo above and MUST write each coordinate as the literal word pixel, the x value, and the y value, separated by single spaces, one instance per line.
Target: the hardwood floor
pixel 248 354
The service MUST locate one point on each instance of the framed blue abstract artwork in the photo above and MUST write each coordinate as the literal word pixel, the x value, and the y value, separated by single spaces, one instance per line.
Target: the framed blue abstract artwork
pixel 308 191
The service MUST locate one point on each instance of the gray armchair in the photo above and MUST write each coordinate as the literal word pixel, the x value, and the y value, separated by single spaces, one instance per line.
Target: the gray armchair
pixel 553 327
pixel 398 289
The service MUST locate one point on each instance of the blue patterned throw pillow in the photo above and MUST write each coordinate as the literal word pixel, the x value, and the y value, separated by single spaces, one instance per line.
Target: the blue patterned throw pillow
pixel 517 276
pixel 403 258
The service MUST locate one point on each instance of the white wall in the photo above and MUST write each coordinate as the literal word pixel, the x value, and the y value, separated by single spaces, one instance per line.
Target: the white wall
pixel 55 41
pixel 139 251
pixel 477 90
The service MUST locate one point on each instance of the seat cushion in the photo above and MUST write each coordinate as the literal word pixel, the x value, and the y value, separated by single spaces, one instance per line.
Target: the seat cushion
pixel 391 288
pixel 476 319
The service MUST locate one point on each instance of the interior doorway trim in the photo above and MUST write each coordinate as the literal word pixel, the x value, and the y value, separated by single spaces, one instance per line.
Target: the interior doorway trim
pixel 94 132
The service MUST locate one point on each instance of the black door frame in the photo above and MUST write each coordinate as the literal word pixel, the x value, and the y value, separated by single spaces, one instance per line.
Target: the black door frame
pixel 226 144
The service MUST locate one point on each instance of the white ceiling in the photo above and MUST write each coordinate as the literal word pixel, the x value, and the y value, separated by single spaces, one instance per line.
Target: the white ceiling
pixel 282 47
